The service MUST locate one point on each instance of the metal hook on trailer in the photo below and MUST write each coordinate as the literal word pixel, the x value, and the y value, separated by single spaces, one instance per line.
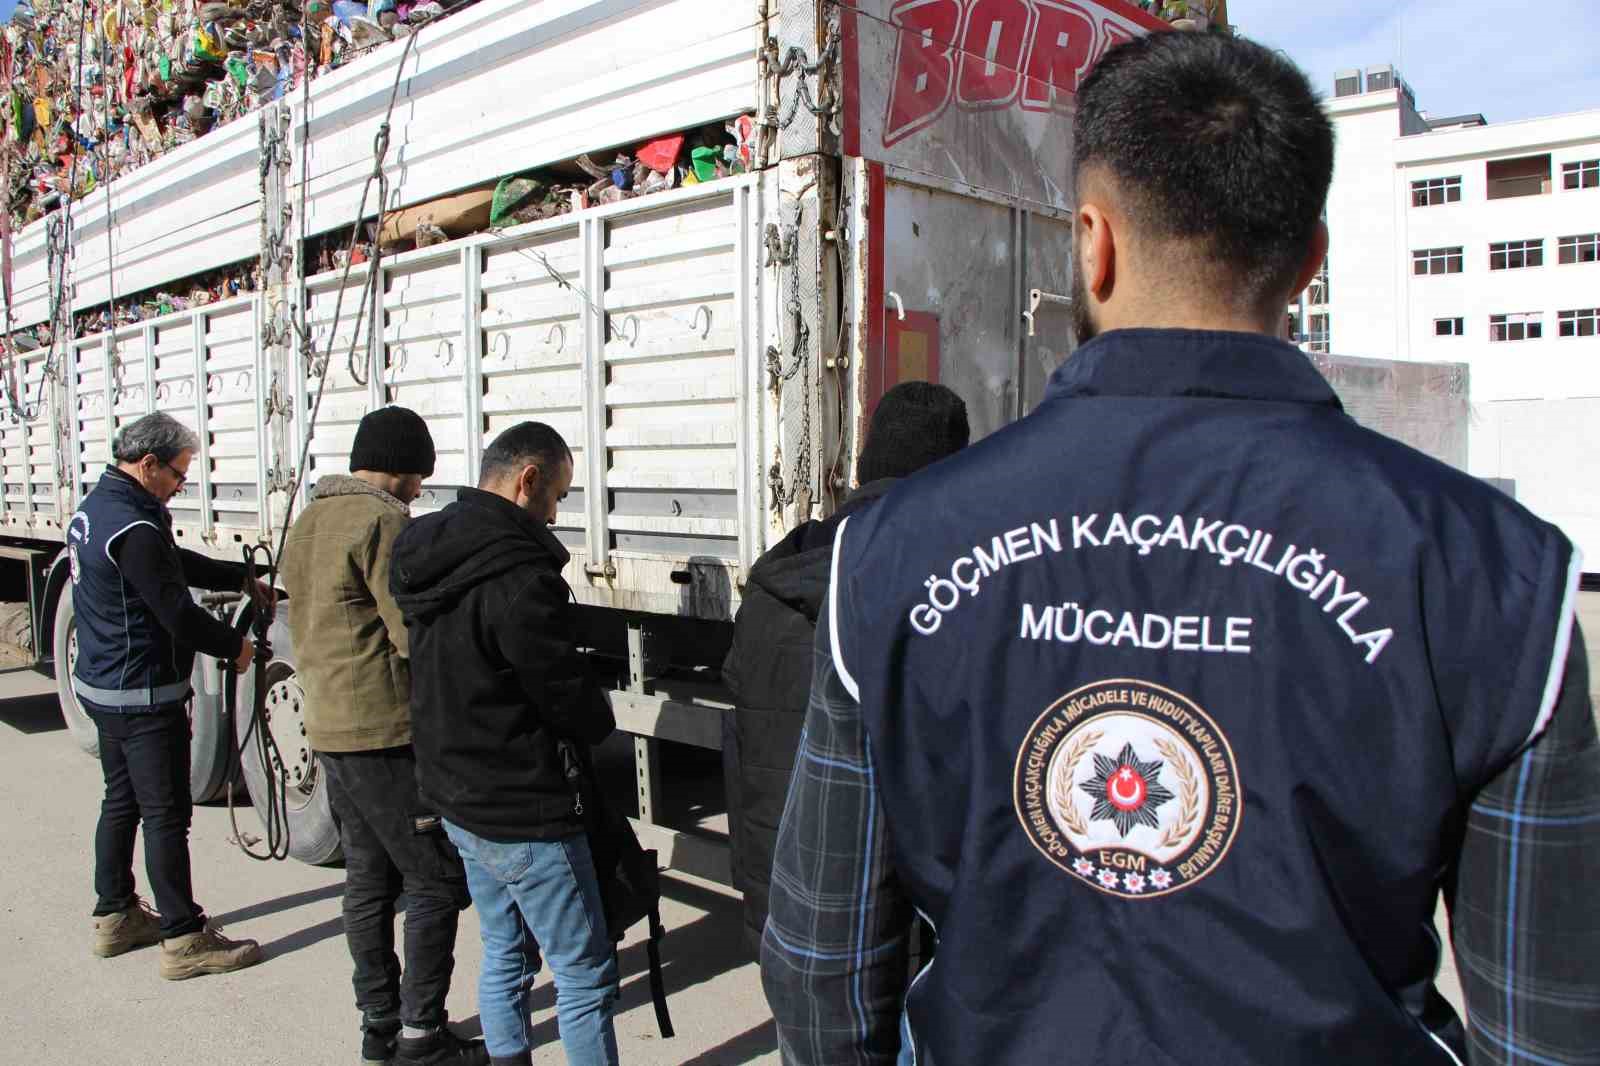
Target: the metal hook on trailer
pixel 555 328
pixel 1037 297
pixel 621 332
pixel 698 311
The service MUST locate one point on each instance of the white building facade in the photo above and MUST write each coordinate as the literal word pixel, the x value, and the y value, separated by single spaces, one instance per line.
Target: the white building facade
pixel 1453 240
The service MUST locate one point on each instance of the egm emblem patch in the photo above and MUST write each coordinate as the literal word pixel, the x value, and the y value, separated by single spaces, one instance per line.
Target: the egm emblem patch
pixel 1129 787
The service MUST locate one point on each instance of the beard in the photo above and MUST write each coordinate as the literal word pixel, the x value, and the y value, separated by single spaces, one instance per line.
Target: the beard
pixel 1083 327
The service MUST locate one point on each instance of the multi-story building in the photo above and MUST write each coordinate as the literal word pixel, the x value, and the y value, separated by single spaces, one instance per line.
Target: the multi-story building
pixel 1456 240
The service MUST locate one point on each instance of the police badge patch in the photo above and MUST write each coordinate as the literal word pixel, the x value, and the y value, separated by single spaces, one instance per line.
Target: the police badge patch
pixel 77 533
pixel 1129 787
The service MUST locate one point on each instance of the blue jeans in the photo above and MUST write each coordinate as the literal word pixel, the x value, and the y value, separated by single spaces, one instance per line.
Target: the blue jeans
pixel 545 890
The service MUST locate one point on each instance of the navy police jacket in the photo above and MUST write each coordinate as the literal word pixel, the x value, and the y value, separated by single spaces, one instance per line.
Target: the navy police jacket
pixel 1177 692
pixel 127 661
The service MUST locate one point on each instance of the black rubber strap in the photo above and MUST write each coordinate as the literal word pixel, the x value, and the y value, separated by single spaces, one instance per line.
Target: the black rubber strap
pixel 658 986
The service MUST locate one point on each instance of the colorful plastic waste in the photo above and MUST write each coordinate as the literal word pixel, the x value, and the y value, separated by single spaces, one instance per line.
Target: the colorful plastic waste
pixel 661 154
pixel 156 74
pixel 705 162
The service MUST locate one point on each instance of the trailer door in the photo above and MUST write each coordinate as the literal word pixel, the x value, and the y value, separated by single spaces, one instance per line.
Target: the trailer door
pixel 958 270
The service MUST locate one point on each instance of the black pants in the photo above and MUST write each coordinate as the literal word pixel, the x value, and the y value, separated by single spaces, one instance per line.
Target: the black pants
pixel 145 759
pixel 386 852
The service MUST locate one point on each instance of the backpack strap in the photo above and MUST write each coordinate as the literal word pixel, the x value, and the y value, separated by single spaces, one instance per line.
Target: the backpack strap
pixel 658 986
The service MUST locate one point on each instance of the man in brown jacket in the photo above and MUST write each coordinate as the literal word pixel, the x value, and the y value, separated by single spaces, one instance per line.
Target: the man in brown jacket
pixel 350 643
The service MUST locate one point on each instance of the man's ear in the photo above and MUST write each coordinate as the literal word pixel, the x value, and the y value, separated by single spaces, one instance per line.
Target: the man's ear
pixel 1316 252
pixel 528 480
pixel 1097 251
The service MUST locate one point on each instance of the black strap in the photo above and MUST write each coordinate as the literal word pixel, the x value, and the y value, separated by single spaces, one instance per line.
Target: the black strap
pixel 575 769
pixel 658 986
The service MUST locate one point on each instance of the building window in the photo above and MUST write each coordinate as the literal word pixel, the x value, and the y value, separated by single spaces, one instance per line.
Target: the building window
pixel 1520 327
pixel 1449 327
pixel 1527 175
pixel 1435 191
pixel 1577 323
pixel 1515 255
pixel 1437 261
pixel 1579 248
pixel 1581 175
pixel 1318 333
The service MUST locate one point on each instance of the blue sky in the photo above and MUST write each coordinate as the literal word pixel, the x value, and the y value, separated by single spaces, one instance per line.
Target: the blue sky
pixel 1460 56
pixel 5 8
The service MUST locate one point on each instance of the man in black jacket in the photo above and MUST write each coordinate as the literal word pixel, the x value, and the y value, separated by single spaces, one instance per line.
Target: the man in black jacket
pixel 495 687
pixel 769 667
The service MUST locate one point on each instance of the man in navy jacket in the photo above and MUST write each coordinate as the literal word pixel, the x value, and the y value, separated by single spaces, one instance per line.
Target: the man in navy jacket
pixel 1175 706
pixel 138 632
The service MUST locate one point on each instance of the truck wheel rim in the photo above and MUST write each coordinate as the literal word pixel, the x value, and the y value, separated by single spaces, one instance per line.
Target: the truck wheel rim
pixel 283 714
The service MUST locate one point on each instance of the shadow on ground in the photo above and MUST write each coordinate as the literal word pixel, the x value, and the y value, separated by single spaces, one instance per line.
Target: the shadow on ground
pixel 302 938
pixel 282 903
pixel 706 948
pixel 33 714
pixel 748 1046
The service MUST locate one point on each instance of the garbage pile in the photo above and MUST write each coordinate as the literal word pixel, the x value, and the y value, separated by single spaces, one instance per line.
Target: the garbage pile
pixel 221 284
pixel 680 160
pixel 97 88
pixel 1189 14
pixel 677 161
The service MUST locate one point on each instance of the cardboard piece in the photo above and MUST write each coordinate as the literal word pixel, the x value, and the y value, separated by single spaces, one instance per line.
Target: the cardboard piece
pixel 460 215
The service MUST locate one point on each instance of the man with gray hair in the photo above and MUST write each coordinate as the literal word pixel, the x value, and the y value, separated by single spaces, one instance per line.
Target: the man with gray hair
pixel 138 631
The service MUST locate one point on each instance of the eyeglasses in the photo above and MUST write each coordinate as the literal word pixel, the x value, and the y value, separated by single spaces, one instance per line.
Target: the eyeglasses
pixel 183 479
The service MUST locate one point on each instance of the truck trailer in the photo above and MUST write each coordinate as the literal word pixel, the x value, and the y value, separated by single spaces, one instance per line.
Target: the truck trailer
pixel 700 238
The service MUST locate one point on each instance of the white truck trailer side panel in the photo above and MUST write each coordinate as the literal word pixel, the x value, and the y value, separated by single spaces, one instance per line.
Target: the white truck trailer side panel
pixel 502 87
pixel 632 329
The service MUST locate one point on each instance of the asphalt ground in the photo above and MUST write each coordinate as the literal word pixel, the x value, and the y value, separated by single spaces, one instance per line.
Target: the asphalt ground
pixel 61 1006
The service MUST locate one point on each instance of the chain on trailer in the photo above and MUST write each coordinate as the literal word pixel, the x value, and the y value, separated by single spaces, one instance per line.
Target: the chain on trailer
pixel 783 250
pixel 256 618
pixel 791 362
pixel 259 616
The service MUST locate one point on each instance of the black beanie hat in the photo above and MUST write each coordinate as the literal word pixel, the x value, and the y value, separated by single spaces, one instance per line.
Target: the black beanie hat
pixel 917 423
pixel 393 440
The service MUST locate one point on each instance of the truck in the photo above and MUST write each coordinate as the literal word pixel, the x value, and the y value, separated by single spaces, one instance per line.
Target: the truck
pixel 700 238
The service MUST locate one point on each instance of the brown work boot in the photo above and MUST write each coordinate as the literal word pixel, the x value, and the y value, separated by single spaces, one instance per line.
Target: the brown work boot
pixel 136 927
pixel 207 951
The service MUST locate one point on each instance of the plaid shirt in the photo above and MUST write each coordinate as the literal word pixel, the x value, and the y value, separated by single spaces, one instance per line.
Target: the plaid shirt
pixel 1524 919
pixel 1524 922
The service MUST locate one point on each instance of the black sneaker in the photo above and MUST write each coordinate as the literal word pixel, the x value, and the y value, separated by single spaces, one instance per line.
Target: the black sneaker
pixel 378 1045
pixel 440 1048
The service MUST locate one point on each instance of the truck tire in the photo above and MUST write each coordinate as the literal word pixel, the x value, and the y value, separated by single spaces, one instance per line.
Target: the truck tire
pixel 79 723
pixel 313 830
pixel 211 738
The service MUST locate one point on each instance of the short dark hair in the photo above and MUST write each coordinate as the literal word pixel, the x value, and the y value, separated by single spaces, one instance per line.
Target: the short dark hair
pixel 916 424
pixel 1215 140
pixel 524 444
